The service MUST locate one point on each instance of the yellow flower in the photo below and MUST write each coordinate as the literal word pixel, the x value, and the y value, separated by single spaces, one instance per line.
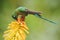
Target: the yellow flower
pixel 16 31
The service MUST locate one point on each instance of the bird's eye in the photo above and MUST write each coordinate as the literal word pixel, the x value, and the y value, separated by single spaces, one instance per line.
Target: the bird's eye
pixel 14 17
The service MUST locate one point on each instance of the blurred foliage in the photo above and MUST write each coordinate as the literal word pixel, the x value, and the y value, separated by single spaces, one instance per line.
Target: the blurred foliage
pixel 39 29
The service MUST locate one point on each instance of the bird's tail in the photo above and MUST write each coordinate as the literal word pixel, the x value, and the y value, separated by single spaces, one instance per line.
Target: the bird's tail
pixel 44 18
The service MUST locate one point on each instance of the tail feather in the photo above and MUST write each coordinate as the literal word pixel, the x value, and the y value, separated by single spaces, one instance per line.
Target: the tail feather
pixel 44 18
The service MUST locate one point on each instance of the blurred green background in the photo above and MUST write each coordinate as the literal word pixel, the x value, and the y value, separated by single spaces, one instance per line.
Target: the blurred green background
pixel 39 29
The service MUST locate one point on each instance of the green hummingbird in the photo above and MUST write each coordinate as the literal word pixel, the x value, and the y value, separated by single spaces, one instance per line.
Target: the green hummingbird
pixel 22 12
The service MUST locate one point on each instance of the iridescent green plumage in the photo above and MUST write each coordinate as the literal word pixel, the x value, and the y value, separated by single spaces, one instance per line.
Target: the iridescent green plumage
pixel 24 12
pixel 21 9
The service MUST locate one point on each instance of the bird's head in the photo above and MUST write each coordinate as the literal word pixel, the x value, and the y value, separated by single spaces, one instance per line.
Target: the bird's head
pixel 19 11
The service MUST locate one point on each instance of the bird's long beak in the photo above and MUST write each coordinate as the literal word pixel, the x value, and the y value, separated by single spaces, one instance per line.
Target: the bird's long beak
pixel 18 19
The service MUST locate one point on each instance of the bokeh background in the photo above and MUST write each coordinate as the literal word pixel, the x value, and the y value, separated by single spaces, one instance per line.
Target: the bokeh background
pixel 39 29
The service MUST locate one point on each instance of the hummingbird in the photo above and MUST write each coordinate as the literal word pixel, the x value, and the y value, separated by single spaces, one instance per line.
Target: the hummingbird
pixel 22 12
